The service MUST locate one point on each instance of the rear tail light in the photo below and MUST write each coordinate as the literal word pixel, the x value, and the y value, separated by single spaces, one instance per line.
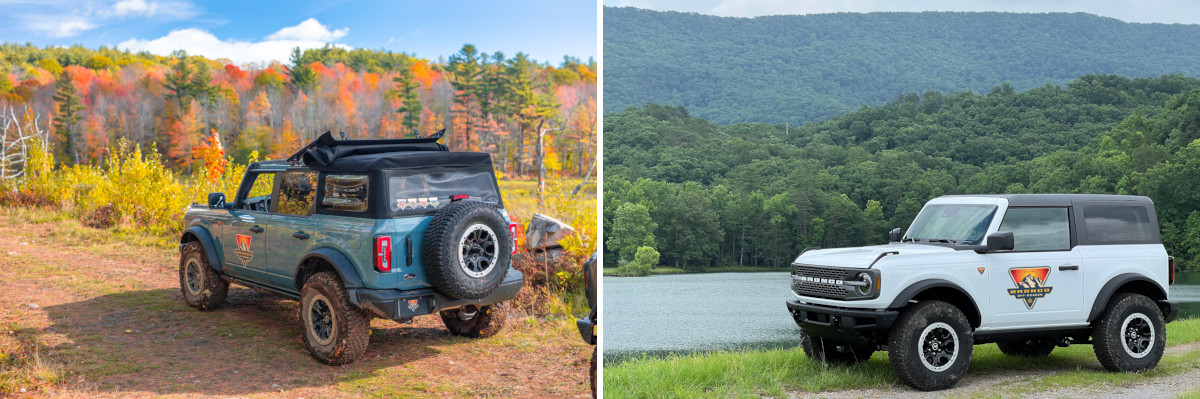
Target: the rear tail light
pixel 383 253
pixel 512 230
pixel 1171 267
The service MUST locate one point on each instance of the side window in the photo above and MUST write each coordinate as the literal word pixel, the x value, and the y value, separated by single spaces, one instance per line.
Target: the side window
pixel 1038 229
pixel 259 196
pixel 346 193
pixel 297 190
pixel 1117 224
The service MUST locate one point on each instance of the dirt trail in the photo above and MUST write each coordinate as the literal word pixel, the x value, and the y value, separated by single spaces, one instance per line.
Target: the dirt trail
pixel 110 316
pixel 994 384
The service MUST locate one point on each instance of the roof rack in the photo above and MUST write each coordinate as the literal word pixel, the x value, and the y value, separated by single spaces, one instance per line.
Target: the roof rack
pixel 325 149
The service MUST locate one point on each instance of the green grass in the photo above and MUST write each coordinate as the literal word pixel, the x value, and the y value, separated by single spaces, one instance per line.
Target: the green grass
pixel 774 373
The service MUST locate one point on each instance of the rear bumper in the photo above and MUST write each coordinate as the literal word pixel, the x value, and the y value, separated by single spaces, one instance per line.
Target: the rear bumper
pixel 587 329
pixel 403 304
pixel 839 323
pixel 1170 310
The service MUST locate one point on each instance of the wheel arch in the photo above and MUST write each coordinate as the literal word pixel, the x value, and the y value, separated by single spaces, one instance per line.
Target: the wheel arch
pixel 942 290
pixel 1126 283
pixel 201 235
pixel 325 259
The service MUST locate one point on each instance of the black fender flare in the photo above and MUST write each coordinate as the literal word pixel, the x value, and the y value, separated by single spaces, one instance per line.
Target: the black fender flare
pixel 341 264
pixel 916 288
pixel 1110 288
pixel 201 234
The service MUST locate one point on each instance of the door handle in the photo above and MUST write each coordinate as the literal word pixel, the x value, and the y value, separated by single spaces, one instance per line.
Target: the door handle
pixel 1068 267
pixel 256 229
pixel 301 235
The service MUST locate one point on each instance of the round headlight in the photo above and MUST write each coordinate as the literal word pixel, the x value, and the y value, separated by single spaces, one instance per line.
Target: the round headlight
pixel 869 283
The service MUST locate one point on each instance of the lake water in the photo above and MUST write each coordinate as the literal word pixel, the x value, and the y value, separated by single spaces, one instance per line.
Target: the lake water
pixel 682 313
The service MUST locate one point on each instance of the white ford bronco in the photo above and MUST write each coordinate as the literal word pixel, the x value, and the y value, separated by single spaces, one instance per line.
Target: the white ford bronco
pixel 1027 271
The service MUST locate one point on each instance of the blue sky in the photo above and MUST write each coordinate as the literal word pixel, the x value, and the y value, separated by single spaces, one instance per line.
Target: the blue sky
pixel 1144 11
pixel 257 31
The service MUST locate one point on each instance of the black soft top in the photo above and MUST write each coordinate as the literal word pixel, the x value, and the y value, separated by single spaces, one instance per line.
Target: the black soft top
pixel 327 154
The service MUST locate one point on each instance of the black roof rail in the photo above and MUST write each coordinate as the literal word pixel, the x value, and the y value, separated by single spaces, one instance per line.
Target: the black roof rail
pixel 325 149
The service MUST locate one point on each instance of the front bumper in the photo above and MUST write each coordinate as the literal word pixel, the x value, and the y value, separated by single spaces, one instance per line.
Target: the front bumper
pixel 403 304
pixel 587 329
pixel 839 323
pixel 1170 310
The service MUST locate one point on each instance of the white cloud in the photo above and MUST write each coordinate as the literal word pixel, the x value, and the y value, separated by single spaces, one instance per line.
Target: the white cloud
pixel 72 27
pixel 309 30
pixel 276 47
pixel 134 7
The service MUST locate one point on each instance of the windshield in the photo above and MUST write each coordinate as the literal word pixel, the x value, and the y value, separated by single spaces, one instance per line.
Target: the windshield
pixel 952 223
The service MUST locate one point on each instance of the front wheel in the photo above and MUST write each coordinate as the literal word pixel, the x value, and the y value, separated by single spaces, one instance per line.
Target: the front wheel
pixel 335 331
pixel 930 346
pixel 202 287
pixel 830 352
pixel 1131 335
pixel 473 322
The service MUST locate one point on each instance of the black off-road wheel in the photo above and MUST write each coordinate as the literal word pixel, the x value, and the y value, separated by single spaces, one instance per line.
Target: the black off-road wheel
pixel 203 287
pixel 335 331
pixel 595 351
pixel 472 322
pixel 930 346
pixel 1131 335
pixel 467 249
pixel 1027 347
pixel 831 352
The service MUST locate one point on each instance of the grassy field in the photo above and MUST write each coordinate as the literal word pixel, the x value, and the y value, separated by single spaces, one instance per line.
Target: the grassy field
pixel 775 373
pixel 88 312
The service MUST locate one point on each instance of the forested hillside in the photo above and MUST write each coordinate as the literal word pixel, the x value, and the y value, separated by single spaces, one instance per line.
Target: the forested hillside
pixel 796 69
pixel 85 100
pixel 709 195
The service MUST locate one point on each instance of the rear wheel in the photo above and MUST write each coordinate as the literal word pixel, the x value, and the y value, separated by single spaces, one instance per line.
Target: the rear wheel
pixel 832 352
pixel 473 322
pixel 335 331
pixel 1131 335
pixel 1027 347
pixel 930 346
pixel 203 288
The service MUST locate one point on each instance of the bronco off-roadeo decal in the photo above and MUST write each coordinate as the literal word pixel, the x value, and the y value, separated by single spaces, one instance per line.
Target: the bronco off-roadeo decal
pixel 243 249
pixel 1031 284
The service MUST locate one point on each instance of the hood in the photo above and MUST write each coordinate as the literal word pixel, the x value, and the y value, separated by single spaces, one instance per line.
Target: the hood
pixel 862 257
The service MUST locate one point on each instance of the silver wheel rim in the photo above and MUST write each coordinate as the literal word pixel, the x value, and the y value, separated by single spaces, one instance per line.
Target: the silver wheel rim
pixel 192 280
pixel 1137 335
pixel 938 346
pixel 478 250
pixel 320 312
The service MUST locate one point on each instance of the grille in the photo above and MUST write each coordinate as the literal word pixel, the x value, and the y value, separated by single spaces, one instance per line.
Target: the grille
pixel 819 290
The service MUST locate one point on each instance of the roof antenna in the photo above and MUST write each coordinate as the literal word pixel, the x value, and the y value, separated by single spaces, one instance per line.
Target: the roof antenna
pixel 343 135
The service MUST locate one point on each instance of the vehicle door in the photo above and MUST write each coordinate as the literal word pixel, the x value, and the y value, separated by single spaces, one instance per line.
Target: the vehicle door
pixel 1038 283
pixel 244 241
pixel 293 228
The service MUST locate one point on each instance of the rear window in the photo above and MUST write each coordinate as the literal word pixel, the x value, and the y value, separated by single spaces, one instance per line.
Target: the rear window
pixel 423 192
pixel 1115 224
pixel 347 193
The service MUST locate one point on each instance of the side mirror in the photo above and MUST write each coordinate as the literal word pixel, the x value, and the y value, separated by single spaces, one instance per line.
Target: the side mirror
pixel 894 235
pixel 1000 241
pixel 216 200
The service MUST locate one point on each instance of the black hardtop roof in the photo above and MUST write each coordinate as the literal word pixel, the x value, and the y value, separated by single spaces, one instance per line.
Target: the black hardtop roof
pixel 327 154
pixel 1059 199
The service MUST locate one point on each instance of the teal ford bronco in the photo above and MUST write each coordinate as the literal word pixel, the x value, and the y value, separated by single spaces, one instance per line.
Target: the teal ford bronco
pixel 358 229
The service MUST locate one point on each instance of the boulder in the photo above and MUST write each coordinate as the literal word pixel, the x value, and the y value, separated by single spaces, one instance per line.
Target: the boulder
pixel 543 233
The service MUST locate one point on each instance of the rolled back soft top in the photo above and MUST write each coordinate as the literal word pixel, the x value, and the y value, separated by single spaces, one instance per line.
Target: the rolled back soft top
pixel 324 151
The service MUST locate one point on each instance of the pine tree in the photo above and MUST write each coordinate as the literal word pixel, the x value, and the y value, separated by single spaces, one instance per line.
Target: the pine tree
pixel 67 99
pixel 410 101
pixel 303 76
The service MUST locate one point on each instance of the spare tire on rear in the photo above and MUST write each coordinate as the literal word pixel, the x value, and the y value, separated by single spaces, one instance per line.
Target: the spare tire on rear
pixel 467 249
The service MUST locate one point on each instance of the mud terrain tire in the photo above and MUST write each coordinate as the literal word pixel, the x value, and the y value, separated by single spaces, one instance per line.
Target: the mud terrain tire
pixel 592 371
pixel 1027 347
pixel 202 286
pixel 930 346
pixel 467 249
pixel 1131 335
pixel 834 352
pixel 335 331
pixel 486 322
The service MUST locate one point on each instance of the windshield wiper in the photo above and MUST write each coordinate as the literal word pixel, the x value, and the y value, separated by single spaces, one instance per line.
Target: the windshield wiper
pixel 941 240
